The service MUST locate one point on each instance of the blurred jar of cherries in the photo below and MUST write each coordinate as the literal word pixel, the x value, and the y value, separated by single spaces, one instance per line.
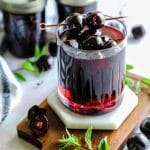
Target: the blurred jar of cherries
pixel 21 25
pixel 67 7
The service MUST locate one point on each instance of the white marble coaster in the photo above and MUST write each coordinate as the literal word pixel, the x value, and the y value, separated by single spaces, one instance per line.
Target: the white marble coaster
pixel 108 121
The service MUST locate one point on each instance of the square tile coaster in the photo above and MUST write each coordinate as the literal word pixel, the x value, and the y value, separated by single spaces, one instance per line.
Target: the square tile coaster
pixel 108 121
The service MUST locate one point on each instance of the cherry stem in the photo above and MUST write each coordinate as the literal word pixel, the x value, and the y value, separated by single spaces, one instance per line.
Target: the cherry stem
pixel 43 25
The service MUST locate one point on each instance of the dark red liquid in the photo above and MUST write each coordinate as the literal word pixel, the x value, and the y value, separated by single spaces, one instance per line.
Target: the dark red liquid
pixel 92 86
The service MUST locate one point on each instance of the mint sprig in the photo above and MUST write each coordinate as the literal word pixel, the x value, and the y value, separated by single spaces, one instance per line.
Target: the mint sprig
pixel 30 65
pixel 19 76
pixel 71 141
pixel 135 86
pixel 38 53
pixel 130 82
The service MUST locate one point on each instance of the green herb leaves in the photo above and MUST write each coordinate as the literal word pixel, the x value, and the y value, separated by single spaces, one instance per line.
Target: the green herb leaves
pixel 136 88
pixel 19 76
pixel 33 65
pixel 87 138
pixel 38 53
pixel 73 142
pixel 28 65
pixel 146 81
pixel 70 140
pixel 129 67
pixel 103 145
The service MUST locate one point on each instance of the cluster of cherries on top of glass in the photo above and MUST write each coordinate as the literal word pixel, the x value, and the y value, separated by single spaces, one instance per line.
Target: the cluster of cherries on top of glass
pixel 83 32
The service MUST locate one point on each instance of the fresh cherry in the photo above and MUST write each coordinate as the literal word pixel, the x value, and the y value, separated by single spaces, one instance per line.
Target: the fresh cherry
pixel 52 48
pixel 84 34
pixel 70 34
pixel 33 112
pixel 3 45
pixel 137 142
pixel 39 125
pixel 93 43
pixel 138 31
pixel 43 63
pixel 145 127
pixel 75 21
pixel 95 20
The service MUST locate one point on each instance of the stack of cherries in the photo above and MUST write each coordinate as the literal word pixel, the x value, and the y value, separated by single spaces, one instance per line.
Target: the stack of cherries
pixel 83 32
pixel 38 121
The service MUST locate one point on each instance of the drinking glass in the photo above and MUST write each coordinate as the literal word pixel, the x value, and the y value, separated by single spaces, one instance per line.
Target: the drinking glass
pixel 92 81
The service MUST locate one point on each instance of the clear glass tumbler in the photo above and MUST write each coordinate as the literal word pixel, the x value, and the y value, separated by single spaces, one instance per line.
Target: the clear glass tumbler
pixel 92 81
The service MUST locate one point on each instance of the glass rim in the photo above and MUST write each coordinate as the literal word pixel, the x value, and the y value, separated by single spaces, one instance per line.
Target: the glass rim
pixel 116 48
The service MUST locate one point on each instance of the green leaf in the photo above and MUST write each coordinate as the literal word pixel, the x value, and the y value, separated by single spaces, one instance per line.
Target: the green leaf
pixel 67 142
pixel 146 81
pixel 129 67
pixel 138 87
pixel 19 76
pixel 129 82
pixel 103 145
pixel 37 51
pixel 44 51
pixel 87 138
pixel 28 65
pixel 70 140
pixel 37 71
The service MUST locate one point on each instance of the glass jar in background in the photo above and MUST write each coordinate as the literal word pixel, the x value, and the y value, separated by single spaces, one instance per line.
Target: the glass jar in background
pixel 67 7
pixel 21 25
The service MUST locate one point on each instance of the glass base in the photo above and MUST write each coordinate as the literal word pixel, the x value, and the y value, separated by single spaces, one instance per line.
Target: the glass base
pixel 89 110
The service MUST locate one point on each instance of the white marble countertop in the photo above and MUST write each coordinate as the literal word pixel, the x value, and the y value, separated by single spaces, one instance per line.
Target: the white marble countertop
pixel 37 89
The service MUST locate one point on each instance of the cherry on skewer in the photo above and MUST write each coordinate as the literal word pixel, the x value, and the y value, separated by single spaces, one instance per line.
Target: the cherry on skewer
pixel 43 25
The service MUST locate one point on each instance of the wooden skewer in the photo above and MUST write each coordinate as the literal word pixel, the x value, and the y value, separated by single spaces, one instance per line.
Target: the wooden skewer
pixel 113 18
pixel 43 25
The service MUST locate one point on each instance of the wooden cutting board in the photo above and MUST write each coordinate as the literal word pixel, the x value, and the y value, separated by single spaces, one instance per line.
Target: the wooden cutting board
pixel 57 129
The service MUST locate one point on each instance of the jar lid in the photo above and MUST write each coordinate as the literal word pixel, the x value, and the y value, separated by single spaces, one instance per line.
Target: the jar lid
pixel 22 6
pixel 77 2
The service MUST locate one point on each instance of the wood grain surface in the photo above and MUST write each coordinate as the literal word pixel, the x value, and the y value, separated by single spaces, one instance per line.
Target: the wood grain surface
pixel 115 138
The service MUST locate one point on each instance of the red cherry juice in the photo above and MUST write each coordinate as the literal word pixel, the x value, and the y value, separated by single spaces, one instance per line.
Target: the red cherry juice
pixel 90 86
